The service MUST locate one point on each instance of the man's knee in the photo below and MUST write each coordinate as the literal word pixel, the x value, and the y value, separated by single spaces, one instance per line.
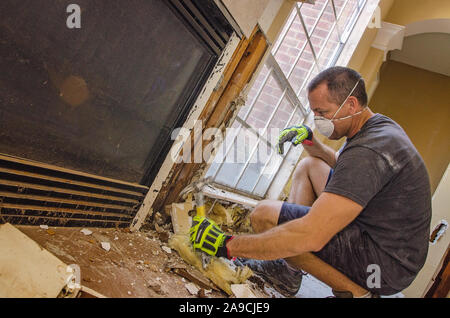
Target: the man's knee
pixel 265 215
pixel 306 165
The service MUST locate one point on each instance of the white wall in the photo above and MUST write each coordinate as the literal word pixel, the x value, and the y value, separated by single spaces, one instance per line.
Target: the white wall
pixel 441 210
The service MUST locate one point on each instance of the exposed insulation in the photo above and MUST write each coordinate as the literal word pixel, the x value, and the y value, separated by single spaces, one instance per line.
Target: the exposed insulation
pixel 218 213
pixel 232 218
pixel 241 221
pixel 219 271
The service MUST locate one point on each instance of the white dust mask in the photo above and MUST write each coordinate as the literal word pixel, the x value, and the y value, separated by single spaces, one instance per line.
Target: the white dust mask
pixel 325 126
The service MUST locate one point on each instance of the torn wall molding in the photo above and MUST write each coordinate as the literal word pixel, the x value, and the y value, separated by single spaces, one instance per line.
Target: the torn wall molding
pixel 181 221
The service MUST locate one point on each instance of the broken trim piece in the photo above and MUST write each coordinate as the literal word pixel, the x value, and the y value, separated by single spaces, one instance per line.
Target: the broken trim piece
pixel 86 292
pixel 221 194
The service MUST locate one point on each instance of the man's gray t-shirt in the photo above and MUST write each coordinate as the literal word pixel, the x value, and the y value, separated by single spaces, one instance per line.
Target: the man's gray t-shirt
pixel 380 169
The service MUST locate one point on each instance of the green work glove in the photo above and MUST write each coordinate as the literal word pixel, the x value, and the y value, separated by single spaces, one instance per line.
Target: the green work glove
pixel 205 235
pixel 296 135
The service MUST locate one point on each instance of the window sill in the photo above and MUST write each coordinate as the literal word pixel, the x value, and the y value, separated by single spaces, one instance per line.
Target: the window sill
pixel 221 194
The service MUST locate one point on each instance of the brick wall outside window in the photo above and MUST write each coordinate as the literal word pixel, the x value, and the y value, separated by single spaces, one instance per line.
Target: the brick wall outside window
pixel 286 56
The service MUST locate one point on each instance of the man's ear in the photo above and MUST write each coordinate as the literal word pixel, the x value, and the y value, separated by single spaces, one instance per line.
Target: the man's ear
pixel 354 104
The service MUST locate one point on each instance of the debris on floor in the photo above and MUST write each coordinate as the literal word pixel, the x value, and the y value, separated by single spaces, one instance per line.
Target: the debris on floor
pixel 106 246
pixel 27 270
pixel 242 291
pixel 142 269
pixel 157 261
pixel 192 288
pixel 86 232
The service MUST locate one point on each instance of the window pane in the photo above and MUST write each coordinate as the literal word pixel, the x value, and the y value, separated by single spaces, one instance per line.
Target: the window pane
pixel 339 5
pixel 291 46
pixel 254 91
pixel 303 95
pixel 323 29
pixel 268 174
pixel 235 161
pixel 301 69
pixel 311 13
pixel 276 160
pixel 282 116
pixel 264 150
pixel 330 50
pixel 265 104
pixel 286 27
pixel 230 136
pixel 345 15
pixel 254 168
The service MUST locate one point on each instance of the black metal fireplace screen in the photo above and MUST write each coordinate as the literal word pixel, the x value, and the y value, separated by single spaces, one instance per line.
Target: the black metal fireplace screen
pixel 86 114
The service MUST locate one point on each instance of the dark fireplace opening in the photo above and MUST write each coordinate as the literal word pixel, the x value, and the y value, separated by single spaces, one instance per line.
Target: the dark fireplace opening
pixel 104 98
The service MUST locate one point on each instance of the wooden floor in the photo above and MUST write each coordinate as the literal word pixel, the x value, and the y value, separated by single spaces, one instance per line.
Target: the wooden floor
pixel 134 262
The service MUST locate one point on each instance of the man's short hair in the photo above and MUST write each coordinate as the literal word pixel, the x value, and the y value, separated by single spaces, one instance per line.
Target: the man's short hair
pixel 340 82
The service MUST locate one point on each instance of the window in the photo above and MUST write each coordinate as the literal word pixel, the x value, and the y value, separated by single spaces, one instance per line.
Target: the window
pixel 311 40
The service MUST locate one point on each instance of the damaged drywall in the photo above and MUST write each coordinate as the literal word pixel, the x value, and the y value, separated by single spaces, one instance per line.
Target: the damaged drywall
pixel 438 231
pixel 28 270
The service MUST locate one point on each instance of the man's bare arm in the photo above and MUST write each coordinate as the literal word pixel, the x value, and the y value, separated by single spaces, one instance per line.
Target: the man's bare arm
pixel 322 151
pixel 328 215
